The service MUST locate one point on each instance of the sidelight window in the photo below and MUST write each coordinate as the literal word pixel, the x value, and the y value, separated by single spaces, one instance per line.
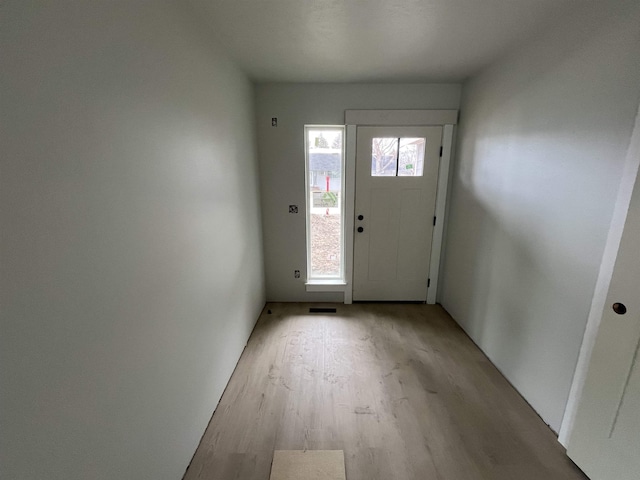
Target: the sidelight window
pixel 324 149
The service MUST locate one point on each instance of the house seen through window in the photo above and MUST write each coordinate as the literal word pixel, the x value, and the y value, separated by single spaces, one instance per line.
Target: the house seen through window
pixel 325 205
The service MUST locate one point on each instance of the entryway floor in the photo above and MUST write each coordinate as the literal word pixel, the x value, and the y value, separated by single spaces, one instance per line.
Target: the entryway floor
pixel 400 388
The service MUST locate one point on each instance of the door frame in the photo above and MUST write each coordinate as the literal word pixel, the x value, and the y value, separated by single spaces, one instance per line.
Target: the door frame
pixel 447 119
pixel 601 291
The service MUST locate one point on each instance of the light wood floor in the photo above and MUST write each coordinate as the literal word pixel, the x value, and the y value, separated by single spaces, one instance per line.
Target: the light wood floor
pixel 400 388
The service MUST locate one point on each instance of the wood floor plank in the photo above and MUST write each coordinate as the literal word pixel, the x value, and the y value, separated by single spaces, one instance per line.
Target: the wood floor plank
pixel 400 388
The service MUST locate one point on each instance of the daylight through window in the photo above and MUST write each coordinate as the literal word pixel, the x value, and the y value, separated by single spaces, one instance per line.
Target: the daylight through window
pixel 325 205
pixel 397 157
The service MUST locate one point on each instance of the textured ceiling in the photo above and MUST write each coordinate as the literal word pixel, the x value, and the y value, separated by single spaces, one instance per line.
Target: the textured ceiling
pixel 372 40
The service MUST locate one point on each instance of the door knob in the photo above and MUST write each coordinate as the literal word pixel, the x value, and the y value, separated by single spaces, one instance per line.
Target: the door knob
pixel 360 229
pixel 619 308
pixel 360 217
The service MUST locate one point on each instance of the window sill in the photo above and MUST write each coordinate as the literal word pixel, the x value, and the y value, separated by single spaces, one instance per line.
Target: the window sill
pixel 333 285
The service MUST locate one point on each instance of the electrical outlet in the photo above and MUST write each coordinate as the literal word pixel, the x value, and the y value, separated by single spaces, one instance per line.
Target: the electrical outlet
pixel 274 121
pixel 293 208
pixel 296 274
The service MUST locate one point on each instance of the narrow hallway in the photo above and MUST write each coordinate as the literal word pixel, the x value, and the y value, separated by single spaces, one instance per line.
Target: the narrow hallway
pixel 400 388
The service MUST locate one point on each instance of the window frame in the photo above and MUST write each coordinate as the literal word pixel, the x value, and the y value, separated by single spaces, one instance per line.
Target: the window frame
pixel 325 279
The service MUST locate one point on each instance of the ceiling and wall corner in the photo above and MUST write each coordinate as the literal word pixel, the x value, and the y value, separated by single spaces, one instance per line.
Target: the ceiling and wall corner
pixel 373 41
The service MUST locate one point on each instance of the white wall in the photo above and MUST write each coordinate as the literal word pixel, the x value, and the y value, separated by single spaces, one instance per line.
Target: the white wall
pixel 541 148
pixel 131 241
pixel 281 156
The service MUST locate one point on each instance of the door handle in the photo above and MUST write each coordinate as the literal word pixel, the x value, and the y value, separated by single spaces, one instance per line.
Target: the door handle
pixel 360 229
pixel 360 217
pixel 619 308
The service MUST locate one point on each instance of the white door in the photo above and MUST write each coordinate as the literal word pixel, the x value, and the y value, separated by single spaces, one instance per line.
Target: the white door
pixel 396 182
pixel 605 441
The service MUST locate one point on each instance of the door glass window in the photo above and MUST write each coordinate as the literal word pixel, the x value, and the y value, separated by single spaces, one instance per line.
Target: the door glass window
pixel 411 157
pixel 397 157
pixel 384 157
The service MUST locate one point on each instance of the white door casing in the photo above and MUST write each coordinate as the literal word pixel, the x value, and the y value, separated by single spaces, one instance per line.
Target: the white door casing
pixel 392 253
pixel 604 439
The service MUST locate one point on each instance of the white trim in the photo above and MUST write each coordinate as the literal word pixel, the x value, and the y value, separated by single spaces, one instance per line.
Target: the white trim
pixel 325 286
pixel 401 117
pixel 349 206
pixel 598 303
pixel 307 223
pixel 445 220
pixel 441 200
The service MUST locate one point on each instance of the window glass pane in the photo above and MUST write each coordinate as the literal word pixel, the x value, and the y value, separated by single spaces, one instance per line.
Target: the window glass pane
pixel 324 211
pixel 384 157
pixel 411 157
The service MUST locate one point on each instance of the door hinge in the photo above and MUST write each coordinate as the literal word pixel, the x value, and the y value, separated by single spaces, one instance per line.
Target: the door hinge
pixel 434 221
pixel 440 151
pixel 428 282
